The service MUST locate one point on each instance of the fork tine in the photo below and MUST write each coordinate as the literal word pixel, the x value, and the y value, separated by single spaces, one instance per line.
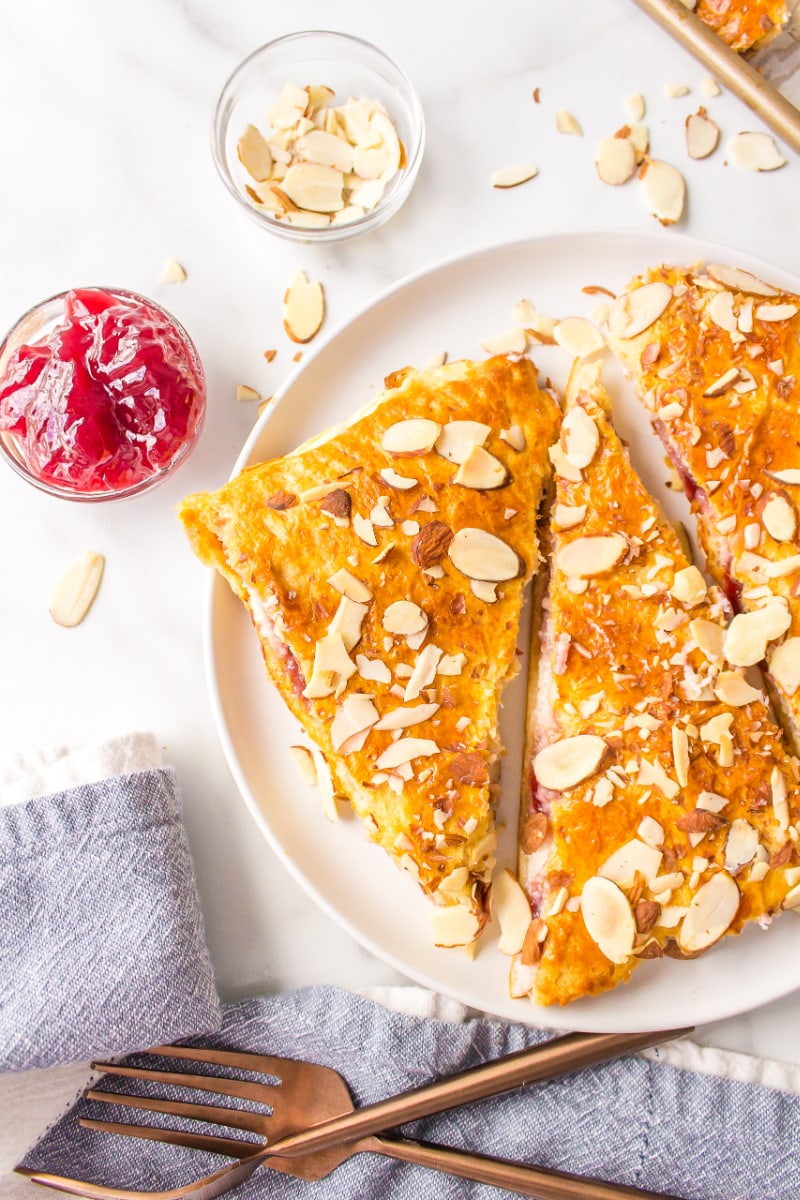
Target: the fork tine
pixel 245 1061
pixel 211 1113
pixel 202 1189
pixel 228 1147
pixel 242 1088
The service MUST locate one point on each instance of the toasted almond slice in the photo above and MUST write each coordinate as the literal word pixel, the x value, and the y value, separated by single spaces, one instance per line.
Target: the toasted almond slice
pixel 355 714
pixel 732 688
pixel 514 437
pixel 348 585
pixel 363 529
pixel 563 468
pixel 487 592
pixel 76 589
pixel 579 437
pixel 747 635
pixel 586 556
pixel 702 135
pixel 779 518
pixel 776 312
pixel 565 763
pixel 664 189
pixel 567 516
pixel 303 308
pixel 481 470
pixel 615 160
pixel 304 760
pixel 315 188
pixel 635 857
pixel 172 272
pixel 633 312
pixel 711 913
pixel 784 665
pixel 720 310
pixel 724 383
pixel 741 845
pixel 405 749
pixel 404 617
pixel 680 754
pixel 566 123
pixel 246 395
pixel 254 154
pixel 347 622
pixel 403 483
pixel 403 718
pixel 415 436
pixel 709 637
pixel 480 555
pixel 509 177
pixel 515 341
pixel 458 439
pixel 579 336
pixel 608 918
pixel 513 911
pixel 790 476
pixel 740 280
pixel 689 587
pixel 455 925
pixel 634 106
pixel 331 662
pixel 755 152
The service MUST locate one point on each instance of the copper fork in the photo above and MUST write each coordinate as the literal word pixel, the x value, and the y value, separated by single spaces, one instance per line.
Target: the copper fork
pixel 314 1127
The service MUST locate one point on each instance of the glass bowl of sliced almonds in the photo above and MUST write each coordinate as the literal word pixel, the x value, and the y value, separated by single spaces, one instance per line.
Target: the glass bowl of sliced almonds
pixel 319 136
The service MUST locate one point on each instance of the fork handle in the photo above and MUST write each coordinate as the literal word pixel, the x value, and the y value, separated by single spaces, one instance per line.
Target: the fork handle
pixel 499 1172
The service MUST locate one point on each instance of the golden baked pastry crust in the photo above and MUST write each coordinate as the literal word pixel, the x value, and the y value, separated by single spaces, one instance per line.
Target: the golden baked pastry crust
pixel 728 446
pixel 620 661
pixel 743 24
pixel 268 533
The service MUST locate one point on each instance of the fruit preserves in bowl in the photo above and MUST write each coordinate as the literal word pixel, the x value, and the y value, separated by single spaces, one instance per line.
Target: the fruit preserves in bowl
pixel 102 394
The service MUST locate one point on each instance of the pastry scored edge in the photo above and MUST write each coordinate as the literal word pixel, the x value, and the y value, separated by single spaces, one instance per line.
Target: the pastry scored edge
pixel 715 356
pixel 383 566
pixel 659 808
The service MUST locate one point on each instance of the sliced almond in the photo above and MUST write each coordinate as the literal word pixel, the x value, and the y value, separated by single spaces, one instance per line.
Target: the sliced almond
pixel 779 518
pixel 567 516
pixel 680 754
pixel 790 476
pixel 674 91
pixel 689 587
pixel 513 911
pixel 315 188
pixel 561 466
pixel 481 555
pixel 403 718
pixel 481 470
pixel 579 437
pixel 702 135
pixel 247 395
pixel 754 152
pixel 747 635
pixel 348 585
pixel 76 589
pixel 289 107
pixel 565 763
pixel 741 845
pixel 615 160
pixel 608 918
pixel 303 308
pixel 405 749
pixel 364 529
pixel 578 336
pixel 724 383
pixel 455 925
pixel 514 437
pixel 331 663
pixel 458 439
pixel 325 149
pixel 487 592
pixel 515 341
pixel 634 107
pixel 711 913
pixel 784 665
pixel 639 138
pixel 254 154
pixel 740 280
pixel 347 622
pixel 732 688
pixel 664 189
pixel 404 617
pixel 633 312
pixel 307 220
pixel 172 272
pixel 509 177
pixel 415 436
pixel 304 761
pixel 586 556
pixel 356 714
pixel 634 858
pixel 776 312
pixel 708 83
pixel 566 123
pixel 720 311
pixel 403 483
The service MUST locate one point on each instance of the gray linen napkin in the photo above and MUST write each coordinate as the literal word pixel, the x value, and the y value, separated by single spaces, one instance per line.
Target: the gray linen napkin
pixel 101 939
pixel 631 1121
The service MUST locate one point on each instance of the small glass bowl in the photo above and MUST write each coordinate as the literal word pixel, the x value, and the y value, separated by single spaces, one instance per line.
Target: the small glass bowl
pixel 351 67
pixel 35 326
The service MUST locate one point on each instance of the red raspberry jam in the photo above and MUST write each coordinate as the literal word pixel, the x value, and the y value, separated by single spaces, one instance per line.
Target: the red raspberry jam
pixel 107 398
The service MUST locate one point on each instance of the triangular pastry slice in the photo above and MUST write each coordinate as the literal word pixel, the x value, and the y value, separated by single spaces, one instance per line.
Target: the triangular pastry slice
pixel 659 809
pixel 716 359
pixel 384 566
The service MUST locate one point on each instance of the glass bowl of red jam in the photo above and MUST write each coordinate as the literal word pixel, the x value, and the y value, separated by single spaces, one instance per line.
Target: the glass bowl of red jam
pixel 102 394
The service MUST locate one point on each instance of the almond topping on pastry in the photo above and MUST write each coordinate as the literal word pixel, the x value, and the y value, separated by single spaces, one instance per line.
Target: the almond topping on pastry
pixel 455 925
pixel 732 688
pixel 404 750
pixel 513 912
pixel 565 763
pixel 481 470
pixel 711 912
pixel 689 587
pixel 347 583
pixel 404 617
pixel 587 556
pixel 608 918
pixel 458 438
pixel 578 336
pixel 739 280
pixel 741 846
pixel 633 312
pixel 724 383
pixel 579 437
pixel 355 715
pixel 305 764
pixel 779 518
pixel 784 665
pixel 632 859
pixel 746 639
pixel 412 437
pixel 403 483
pixel 775 312
pixel 480 555
pixel 567 516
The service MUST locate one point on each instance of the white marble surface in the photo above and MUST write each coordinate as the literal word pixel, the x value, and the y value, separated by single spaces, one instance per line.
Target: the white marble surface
pixel 107 172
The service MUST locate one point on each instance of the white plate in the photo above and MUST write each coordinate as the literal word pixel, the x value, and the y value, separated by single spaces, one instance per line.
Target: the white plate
pixel 452 307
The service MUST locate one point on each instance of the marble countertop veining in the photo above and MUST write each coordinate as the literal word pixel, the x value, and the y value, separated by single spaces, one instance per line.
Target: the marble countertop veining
pixel 107 172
